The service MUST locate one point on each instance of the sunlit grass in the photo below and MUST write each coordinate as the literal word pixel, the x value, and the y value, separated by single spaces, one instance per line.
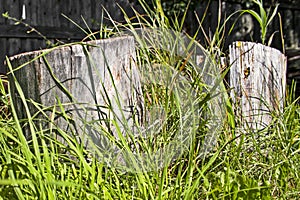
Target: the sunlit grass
pixel 46 167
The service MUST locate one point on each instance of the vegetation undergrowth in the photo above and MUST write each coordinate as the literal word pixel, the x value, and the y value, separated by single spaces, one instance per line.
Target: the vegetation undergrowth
pixel 53 164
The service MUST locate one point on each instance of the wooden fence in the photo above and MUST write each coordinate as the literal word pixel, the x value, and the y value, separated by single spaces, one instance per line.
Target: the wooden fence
pixel 45 16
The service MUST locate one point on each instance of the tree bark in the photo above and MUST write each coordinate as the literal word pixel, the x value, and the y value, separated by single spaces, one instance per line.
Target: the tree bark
pixel 258 81
pixel 96 82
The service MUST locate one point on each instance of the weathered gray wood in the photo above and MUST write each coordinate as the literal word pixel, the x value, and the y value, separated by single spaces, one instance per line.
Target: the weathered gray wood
pixel 258 79
pixel 94 74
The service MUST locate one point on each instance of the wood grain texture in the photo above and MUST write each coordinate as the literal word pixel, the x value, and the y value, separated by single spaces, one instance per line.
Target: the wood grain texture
pixel 258 79
pixel 98 75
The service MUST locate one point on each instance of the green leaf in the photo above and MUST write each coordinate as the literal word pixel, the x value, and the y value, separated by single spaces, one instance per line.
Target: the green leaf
pixel 273 15
pixel 255 15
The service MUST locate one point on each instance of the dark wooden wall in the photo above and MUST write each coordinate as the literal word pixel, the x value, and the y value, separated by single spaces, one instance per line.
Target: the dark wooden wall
pixel 45 16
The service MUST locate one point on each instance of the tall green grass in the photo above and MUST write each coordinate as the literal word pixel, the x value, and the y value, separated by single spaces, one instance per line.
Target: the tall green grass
pixel 264 18
pixel 44 167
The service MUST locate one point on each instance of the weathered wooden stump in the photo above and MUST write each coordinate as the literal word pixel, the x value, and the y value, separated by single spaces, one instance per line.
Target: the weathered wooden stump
pixel 258 79
pixel 96 82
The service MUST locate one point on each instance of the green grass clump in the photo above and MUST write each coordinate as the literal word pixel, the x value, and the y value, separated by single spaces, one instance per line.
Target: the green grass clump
pixel 247 167
pixel 264 18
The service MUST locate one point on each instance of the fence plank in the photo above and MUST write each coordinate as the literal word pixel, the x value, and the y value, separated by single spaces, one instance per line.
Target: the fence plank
pixel 15 43
pixel 33 11
pixel 288 28
pixel 75 13
pixel 3 47
pixel 65 8
pixel 2 10
pixel 297 28
pixel 258 78
pixel 86 12
pixel 14 10
pixel 11 31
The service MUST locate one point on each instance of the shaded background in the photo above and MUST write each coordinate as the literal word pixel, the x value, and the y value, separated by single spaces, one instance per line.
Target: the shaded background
pixel 45 16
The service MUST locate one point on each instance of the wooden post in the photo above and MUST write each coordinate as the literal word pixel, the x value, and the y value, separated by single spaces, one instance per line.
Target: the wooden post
pixel 99 80
pixel 258 81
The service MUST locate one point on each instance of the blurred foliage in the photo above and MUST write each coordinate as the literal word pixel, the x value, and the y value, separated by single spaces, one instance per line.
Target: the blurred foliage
pixel 172 7
pixel 179 6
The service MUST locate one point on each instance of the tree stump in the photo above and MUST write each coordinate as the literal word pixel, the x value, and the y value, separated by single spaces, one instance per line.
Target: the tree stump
pixel 96 82
pixel 258 81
